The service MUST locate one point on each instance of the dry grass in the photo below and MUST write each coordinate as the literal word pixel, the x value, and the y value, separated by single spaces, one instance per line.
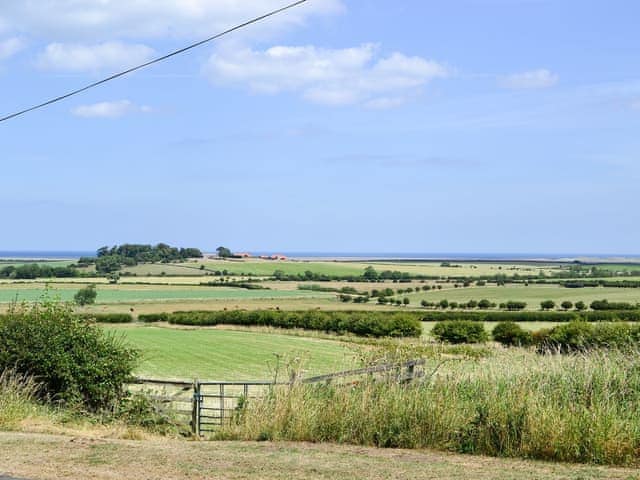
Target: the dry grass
pixel 59 457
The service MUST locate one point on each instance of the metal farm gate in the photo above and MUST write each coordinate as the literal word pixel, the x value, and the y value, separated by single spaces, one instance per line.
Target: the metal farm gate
pixel 217 402
pixel 205 405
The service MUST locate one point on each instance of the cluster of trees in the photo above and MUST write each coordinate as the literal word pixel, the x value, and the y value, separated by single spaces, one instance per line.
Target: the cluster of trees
pixel 394 301
pixel 30 271
pixel 601 283
pixel 606 305
pixel 109 260
pixel 483 304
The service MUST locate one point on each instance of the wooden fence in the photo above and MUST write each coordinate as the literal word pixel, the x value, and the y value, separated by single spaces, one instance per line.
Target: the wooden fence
pixel 207 404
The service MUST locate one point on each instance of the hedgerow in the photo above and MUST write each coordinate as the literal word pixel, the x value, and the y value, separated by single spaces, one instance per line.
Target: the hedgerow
pixel 373 324
pixel 581 336
pixel 106 317
pixel 153 317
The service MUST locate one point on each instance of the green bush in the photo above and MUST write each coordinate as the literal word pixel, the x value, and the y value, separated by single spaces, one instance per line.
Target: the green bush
pixel 86 296
pixel 460 331
pixel 153 317
pixel 371 324
pixel 534 316
pixel 511 334
pixel 75 361
pixel 582 336
pixel 107 317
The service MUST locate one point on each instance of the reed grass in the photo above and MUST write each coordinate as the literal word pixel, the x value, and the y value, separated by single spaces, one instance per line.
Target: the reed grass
pixel 17 399
pixel 574 408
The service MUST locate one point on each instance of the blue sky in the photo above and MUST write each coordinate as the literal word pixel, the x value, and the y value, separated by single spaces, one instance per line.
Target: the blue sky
pixel 369 125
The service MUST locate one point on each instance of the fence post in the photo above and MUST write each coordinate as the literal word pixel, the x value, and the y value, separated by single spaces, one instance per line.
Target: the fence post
pixel 195 411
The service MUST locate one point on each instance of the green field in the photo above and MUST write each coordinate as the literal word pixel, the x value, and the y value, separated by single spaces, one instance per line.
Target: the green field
pixel 137 293
pixel 253 267
pixel 50 263
pixel 217 354
pixel 533 294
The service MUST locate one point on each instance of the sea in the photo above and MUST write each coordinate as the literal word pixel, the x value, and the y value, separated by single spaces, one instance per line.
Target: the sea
pixel 438 256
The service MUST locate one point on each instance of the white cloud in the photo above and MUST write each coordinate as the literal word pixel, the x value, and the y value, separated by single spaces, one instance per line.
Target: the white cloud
pixel 541 78
pixel 106 19
pixel 92 58
pixel 115 109
pixel 10 47
pixel 326 76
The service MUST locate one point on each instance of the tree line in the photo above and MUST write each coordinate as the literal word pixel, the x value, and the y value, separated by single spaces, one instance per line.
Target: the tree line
pixel 111 259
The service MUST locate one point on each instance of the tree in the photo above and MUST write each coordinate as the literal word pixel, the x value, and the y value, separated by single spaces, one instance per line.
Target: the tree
pixel 547 304
pixel 224 252
pixel 566 305
pixel 444 303
pixel 484 304
pixel 580 305
pixel 86 296
pixel 370 273
pixel 406 301
pixel 108 263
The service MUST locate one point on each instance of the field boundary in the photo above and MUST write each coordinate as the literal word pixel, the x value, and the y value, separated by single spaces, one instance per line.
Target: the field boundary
pixel 207 404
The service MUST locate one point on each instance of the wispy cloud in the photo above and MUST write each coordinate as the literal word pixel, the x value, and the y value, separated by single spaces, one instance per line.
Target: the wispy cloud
pixel 114 109
pixel 356 75
pixel 91 20
pixel 10 47
pixel 92 58
pixel 533 79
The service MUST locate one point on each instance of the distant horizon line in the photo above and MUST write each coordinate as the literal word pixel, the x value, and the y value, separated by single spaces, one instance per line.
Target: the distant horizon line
pixel 406 255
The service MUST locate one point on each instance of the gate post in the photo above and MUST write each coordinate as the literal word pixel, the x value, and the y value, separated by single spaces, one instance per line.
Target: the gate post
pixel 195 409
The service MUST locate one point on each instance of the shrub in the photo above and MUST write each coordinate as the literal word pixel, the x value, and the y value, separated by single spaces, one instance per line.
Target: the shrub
pixel 459 331
pixel 547 305
pixel 581 336
pixel 107 317
pixel 514 305
pixel 75 361
pixel 153 317
pixel 511 334
pixel 86 296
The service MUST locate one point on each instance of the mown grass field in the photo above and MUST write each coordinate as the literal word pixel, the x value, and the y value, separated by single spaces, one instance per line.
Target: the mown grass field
pixel 253 267
pixel 145 293
pixel 218 354
pixel 267 267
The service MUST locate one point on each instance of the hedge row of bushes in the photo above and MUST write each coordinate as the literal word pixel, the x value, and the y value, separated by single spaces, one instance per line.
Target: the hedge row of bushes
pixel 535 316
pixel 153 317
pixel 107 317
pixel 570 337
pixel 374 324
pixel 581 336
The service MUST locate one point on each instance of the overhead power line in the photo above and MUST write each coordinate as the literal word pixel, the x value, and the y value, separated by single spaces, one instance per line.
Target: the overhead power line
pixel 151 62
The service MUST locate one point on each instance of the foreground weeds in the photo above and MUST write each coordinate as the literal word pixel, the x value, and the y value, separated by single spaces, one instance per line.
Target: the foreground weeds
pixel 580 408
pixel 17 399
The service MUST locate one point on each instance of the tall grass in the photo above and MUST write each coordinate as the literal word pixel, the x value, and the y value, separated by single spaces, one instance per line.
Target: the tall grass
pixel 582 408
pixel 17 398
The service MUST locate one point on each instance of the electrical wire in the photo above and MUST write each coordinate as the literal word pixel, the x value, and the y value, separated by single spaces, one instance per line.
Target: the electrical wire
pixel 151 62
